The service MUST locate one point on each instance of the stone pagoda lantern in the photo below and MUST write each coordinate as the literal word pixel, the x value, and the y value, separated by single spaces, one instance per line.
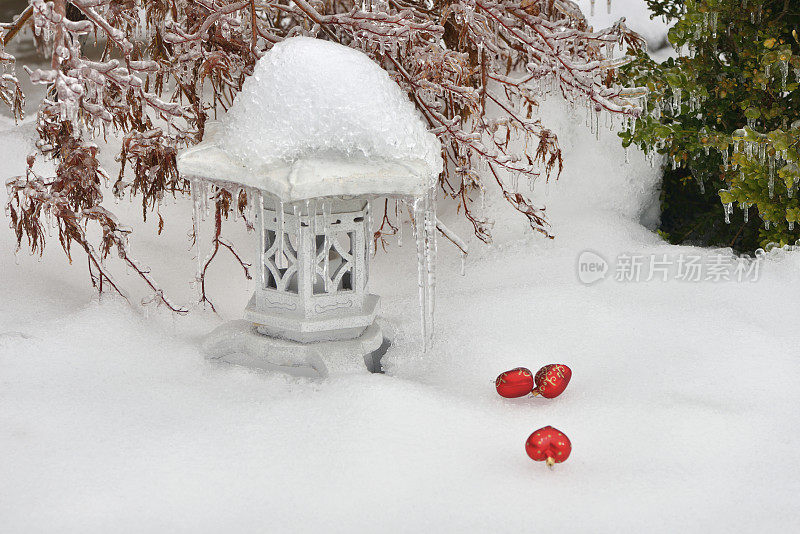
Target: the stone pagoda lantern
pixel 317 132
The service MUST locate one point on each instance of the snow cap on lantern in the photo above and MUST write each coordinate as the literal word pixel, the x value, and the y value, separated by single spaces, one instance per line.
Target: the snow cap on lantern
pixel 317 131
pixel 319 119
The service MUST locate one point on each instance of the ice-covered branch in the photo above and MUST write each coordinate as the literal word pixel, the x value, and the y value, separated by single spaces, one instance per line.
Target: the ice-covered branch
pixel 475 69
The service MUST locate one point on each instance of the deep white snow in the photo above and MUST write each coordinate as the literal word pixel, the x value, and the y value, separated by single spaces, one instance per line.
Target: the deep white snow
pixel 681 411
pixel 315 119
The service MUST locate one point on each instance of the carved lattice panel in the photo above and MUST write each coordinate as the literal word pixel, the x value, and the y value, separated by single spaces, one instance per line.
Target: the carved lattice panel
pixel 335 264
pixel 280 262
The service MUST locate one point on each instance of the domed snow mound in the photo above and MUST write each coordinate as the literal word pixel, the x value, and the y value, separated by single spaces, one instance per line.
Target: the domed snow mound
pixel 313 97
pixel 319 119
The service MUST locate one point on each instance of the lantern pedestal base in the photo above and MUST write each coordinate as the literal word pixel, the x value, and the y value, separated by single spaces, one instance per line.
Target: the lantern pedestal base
pixel 288 324
pixel 240 343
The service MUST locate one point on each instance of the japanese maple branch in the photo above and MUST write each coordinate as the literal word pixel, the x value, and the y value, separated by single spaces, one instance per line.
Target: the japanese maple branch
pixel 218 241
pixel 18 25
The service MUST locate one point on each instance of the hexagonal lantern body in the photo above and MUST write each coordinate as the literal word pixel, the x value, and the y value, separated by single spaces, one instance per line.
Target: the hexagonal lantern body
pixel 313 273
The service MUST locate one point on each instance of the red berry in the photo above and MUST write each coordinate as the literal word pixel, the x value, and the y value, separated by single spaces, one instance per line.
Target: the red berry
pixel 551 380
pixel 548 444
pixel 514 383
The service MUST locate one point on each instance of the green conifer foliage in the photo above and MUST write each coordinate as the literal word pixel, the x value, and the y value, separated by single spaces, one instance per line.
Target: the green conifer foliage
pixel 725 113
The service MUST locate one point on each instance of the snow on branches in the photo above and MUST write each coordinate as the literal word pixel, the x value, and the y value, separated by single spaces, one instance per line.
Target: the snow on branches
pixel 475 69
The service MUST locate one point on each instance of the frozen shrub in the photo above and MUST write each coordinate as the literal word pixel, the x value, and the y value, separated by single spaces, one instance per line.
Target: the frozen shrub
pixel 724 112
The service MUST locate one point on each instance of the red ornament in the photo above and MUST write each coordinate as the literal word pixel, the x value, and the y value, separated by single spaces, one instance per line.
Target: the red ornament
pixel 548 444
pixel 514 383
pixel 551 380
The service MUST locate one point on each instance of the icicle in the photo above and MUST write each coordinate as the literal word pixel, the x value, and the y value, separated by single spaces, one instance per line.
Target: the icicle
pixel 746 212
pixel 591 11
pixel 766 225
pixel 589 123
pixel 608 6
pixel 312 223
pixel 326 263
pixel 249 207
pixel 425 236
pixel 196 228
pixel 676 91
pixel 399 217
pixel 309 218
pixel 430 259
pixel 463 264
pixel 419 230
pixel 791 225
pixel 299 222
pixel 771 185
pixel 597 124
pixel 281 261
pixel 728 211
pixel 262 241
pixel 770 162
pixel 206 194
pixel 725 157
pixel 370 231
pixel 784 64
pixel 235 207
pixel 656 110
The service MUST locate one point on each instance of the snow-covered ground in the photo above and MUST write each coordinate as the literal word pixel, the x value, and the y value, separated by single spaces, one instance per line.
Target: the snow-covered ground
pixel 681 411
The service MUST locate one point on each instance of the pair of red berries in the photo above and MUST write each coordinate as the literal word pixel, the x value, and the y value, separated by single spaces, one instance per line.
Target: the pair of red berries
pixel 547 444
pixel 550 381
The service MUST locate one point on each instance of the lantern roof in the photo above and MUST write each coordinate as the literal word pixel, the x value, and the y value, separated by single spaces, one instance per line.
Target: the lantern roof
pixel 319 119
